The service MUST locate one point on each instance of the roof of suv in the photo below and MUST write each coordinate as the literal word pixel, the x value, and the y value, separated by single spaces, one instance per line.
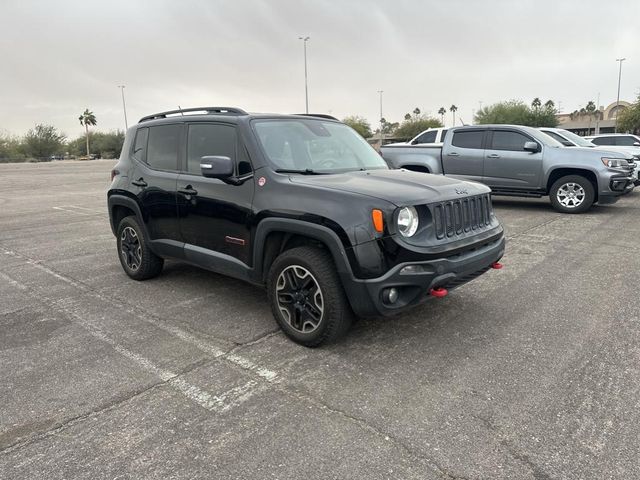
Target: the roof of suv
pixel 204 113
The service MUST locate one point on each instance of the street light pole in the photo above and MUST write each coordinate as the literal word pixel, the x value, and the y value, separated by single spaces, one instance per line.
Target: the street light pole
pixel 306 87
pixel 381 117
pixel 124 107
pixel 620 60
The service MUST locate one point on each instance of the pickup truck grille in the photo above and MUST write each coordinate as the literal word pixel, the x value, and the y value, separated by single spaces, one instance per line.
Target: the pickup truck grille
pixel 457 217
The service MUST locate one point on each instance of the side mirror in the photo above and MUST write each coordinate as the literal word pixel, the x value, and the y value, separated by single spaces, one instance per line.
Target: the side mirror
pixel 567 143
pixel 636 144
pixel 216 167
pixel 532 147
pixel 414 142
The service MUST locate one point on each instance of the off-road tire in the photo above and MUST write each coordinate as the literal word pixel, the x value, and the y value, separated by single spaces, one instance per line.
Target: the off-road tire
pixel 336 316
pixel 149 265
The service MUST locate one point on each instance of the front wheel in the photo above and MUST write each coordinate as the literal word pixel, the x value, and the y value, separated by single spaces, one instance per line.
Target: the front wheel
pixel 572 194
pixel 307 298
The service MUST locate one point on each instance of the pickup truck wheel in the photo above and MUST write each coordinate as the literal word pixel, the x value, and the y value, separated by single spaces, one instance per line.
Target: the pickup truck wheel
pixel 572 194
pixel 136 258
pixel 307 298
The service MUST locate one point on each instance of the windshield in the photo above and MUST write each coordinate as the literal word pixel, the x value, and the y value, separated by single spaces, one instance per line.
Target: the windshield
pixel 577 139
pixel 315 146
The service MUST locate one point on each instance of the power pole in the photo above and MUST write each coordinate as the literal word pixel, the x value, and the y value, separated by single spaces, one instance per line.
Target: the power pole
pixel 306 86
pixel 124 107
pixel 620 60
pixel 381 117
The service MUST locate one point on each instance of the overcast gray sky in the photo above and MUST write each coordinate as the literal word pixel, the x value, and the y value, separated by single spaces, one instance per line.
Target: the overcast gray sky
pixel 60 57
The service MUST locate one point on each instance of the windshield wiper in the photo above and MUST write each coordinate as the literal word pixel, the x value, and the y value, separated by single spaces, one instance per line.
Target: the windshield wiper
pixel 304 171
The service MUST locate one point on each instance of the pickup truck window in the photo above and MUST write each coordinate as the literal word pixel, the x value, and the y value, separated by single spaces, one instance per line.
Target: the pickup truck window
pixel 427 137
pixel 555 136
pixel 626 141
pixel 468 139
pixel 512 141
pixel 315 145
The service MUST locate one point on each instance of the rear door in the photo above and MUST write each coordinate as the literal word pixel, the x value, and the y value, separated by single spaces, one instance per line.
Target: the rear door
pixel 154 179
pixel 214 215
pixel 463 156
pixel 508 165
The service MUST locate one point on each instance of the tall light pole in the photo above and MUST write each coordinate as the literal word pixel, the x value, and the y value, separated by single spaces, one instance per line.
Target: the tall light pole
pixel 306 86
pixel 381 117
pixel 618 100
pixel 124 106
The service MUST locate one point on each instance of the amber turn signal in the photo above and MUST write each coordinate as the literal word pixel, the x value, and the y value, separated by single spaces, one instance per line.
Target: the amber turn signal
pixel 378 223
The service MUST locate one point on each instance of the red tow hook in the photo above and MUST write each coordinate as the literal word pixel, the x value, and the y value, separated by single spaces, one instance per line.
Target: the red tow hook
pixel 438 292
pixel 496 265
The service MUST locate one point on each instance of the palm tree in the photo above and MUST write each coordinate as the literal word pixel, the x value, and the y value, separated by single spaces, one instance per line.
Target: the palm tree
pixel 442 112
pixel 87 118
pixel 590 109
pixel 453 110
pixel 416 111
pixel 536 103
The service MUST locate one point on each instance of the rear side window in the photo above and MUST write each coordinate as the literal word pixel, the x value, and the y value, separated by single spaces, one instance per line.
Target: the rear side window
pixel 468 139
pixel 209 140
pixel 442 135
pixel 555 136
pixel 625 141
pixel 603 141
pixel 513 141
pixel 427 137
pixel 140 145
pixel 162 150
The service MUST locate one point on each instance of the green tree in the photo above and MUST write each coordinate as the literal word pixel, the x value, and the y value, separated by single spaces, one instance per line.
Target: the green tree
pixel 516 112
pixel 359 124
pixel 453 109
pixel 87 119
pixel 43 141
pixel 11 147
pixel 629 118
pixel 103 145
pixel 416 124
pixel 388 128
pixel 442 112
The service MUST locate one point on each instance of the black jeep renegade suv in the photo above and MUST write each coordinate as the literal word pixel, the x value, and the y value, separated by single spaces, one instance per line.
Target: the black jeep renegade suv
pixel 300 204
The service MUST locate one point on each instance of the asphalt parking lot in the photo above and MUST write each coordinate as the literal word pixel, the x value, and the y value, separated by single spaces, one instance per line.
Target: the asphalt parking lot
pixel 530 372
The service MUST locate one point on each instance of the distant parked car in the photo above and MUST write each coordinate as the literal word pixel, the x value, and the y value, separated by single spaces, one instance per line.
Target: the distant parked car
pixel 618 139
pixel 431 136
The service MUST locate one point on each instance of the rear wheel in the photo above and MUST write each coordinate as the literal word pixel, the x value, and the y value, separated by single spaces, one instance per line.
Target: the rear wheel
pixel 307 298
pixel 136 258
pixel 572 194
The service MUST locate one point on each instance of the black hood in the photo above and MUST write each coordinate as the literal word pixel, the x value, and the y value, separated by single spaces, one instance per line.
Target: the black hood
pixel 400 187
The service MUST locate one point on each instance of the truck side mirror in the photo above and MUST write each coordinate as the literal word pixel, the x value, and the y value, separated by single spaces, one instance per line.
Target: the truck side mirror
pixel 636 144
pixel 532 147
pixel 216 166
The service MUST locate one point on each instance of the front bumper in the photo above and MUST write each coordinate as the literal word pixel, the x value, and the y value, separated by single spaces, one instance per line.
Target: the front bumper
pixel 366 296
pixel 615 184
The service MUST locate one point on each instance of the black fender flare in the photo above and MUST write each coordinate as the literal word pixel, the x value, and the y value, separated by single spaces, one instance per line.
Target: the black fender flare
pixel 116 199
pixel 312 230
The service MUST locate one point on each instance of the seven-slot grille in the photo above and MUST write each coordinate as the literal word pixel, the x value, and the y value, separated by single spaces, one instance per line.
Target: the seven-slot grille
pixel 460 216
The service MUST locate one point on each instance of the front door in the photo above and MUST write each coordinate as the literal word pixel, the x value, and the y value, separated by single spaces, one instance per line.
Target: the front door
pixel 508 165
pixel 215 216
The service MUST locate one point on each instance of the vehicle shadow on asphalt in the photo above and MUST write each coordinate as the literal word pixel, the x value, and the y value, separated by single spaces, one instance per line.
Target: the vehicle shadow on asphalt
pixel 543 205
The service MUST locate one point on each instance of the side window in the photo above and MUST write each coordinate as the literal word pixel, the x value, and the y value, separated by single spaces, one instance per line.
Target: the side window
pixel 427 137
pixel 468 139
pixel 603 141
pixel 555 136
pixel 512 141
pixel 626 141
pixel 442 135
pixel 162 152
pixel 209 139
pixel 140 145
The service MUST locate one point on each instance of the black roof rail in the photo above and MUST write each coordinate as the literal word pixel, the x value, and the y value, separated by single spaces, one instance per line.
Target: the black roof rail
pixel 319 115
pixel 207 110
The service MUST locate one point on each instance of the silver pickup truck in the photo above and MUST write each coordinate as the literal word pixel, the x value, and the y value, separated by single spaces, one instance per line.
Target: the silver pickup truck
pixel 522 161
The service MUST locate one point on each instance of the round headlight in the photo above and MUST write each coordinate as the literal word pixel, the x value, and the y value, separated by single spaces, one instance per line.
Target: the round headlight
pixel 407 221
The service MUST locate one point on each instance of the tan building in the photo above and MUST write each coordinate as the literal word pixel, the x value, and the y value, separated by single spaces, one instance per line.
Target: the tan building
pixel 600 121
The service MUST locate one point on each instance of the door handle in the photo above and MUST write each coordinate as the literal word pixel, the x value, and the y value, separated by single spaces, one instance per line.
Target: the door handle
pixel 453 154
pixel 493 155
pixel 139 183
pixel 188 190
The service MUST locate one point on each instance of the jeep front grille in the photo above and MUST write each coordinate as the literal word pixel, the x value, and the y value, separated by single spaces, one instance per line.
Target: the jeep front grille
pixel 461 216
